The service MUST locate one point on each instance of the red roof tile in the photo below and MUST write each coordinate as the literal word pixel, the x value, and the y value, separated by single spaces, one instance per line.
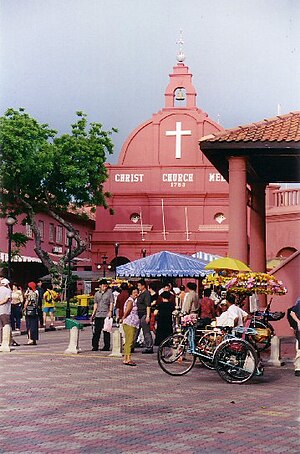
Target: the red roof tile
pixel 283 128
pixel 85 210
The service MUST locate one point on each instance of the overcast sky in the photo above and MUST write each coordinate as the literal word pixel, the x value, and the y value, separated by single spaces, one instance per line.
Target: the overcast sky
pixel 112 58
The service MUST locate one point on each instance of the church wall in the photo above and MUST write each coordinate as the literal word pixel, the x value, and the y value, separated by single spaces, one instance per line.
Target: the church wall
pixel 138 145
pixel 282 232
pixel 165 179
pixel 289 274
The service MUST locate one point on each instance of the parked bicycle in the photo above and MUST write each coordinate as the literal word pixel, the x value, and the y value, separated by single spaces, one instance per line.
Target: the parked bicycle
pixel 235 359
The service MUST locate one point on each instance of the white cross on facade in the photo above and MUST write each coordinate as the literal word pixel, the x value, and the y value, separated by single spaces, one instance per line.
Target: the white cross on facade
pixel 178 133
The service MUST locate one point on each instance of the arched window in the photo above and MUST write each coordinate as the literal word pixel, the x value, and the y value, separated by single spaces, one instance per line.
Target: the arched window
pixel 286 252
pixel 117 261
pixel 180 97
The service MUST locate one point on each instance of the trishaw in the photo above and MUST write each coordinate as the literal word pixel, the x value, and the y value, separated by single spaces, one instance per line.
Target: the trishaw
pixel 233 352
pixel 234 358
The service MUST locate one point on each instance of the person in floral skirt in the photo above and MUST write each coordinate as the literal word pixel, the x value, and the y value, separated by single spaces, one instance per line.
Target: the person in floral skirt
pixel 130 323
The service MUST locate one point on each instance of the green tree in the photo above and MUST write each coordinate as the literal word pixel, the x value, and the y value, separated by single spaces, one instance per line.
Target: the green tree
pixel 44 173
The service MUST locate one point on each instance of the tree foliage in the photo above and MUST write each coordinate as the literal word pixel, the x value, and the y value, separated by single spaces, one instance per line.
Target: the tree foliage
pixel 42 172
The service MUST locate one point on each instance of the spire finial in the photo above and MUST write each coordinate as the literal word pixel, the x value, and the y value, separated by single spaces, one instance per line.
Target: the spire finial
pixel 180 55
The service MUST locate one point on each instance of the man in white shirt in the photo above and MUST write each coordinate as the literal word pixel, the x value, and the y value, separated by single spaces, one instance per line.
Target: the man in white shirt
pixel 5 303
pixel 234 316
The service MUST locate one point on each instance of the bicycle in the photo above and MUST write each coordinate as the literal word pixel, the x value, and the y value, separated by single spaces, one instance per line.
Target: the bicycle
pixel 234 359
pixel 206 339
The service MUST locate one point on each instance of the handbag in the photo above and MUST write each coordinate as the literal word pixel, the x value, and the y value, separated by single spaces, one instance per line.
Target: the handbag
pixel 31 310
pixel 108 322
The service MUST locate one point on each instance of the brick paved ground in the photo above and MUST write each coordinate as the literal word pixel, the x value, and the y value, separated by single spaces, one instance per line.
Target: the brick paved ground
pixel 92 403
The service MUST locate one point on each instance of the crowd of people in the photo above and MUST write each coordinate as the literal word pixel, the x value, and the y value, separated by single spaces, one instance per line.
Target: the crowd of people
pixel 143 312
pixel 147 309
pixel 35 303
pixel 138 308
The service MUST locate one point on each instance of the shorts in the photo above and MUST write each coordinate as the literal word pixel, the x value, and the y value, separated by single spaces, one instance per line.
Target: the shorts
pixel 48 309
pixel 4 320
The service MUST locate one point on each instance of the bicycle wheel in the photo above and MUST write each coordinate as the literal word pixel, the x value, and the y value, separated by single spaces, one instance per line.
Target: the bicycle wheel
pixel 235 360
pixel 206 347
pixel 262 339
pixel 173 355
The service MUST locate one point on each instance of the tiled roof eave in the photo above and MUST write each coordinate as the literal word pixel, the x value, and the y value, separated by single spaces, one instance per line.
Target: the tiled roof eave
pixel 281 129
pixel 284 144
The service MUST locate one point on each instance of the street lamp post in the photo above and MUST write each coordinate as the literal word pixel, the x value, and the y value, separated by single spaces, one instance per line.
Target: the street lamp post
pixel 104 262
pixel 103 265
pixel 116 257
pixel 10 222
pixel 70 236
pixel 144 252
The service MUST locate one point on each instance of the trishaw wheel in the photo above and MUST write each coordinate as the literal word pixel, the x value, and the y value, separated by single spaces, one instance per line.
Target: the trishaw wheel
pixel 206 347
pixel 173 355
pixel 235 360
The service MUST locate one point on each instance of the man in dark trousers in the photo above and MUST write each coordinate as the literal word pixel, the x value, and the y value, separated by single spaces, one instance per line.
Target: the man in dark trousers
pixel 103 307
pixel 41 291
pixel 144 308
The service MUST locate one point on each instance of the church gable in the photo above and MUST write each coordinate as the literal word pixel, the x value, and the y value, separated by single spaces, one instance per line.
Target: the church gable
pixel 171 137
pixel 165 192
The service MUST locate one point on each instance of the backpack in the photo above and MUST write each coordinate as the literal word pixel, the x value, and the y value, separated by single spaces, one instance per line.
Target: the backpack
pixel 32 298
pixel 292 322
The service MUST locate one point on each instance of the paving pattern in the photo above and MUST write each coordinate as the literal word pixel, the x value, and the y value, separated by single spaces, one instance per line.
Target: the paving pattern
pixel 91 403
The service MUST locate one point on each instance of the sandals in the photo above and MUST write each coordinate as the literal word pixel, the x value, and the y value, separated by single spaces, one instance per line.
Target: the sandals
pixel 130 363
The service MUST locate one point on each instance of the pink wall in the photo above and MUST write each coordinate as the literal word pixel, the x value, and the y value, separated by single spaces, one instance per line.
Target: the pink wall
pixel 288 273
pixel 56 247
pixel 283 220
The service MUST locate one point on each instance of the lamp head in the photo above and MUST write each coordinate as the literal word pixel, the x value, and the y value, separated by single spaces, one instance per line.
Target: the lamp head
pixel 10 221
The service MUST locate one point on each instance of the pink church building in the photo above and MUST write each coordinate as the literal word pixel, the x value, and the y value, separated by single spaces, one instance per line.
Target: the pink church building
pixel 166 195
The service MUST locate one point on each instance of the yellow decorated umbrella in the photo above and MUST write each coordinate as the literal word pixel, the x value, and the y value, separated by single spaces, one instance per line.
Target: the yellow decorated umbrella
pixel 227 263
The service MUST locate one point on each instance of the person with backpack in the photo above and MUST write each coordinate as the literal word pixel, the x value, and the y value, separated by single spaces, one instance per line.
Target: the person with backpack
pixel 31 313
pixel 294 315
pixel 41 291
pixel 49 298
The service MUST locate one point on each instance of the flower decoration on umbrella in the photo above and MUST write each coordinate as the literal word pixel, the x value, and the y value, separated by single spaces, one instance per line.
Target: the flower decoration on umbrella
pixel 256 282
pixel 216 279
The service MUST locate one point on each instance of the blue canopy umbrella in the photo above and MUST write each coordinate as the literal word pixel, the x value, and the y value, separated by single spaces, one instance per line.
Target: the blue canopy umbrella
pixel 164 264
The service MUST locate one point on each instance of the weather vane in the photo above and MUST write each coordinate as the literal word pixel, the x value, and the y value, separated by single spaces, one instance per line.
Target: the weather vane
pixel 180 55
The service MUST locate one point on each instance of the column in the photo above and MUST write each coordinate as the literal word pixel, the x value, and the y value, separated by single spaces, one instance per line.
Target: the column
pixel 238 243
pixel 258 227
